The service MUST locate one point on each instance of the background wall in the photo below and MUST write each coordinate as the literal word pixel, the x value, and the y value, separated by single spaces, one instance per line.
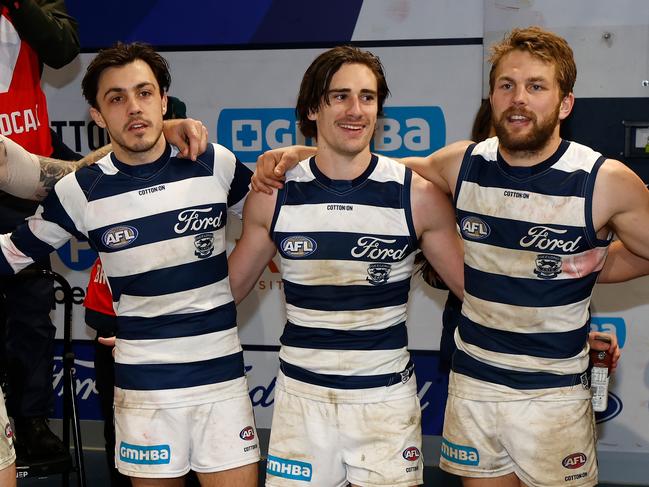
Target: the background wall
pixel 237 66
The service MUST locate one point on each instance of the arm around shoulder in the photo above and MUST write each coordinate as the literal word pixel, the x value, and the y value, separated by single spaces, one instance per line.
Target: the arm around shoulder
pixel 442 166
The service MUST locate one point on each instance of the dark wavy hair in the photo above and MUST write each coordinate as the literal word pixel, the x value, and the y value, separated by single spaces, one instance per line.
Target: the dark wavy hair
pixel 119 55
pixel 317 79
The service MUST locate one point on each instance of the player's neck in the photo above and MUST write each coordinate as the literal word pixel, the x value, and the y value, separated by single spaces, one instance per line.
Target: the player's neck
pixel 138 158
pixel 531 158
pixel 339 166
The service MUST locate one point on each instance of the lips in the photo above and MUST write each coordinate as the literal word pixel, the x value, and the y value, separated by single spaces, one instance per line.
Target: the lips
pixel 137 125
pixel 518 117
pixel 353 126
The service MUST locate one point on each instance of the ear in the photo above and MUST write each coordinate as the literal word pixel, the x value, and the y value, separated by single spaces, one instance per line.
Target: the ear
pixel 566 106
pixel 312 116
pixel 164 104
pixel 96 116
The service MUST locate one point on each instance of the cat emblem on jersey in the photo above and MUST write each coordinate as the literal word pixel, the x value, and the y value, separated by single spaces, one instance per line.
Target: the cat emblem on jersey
pixel 378 273
pixel 548 266
pixel 204 243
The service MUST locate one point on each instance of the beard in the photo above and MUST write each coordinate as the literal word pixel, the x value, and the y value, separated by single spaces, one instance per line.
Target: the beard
pixel 136 145
pixel 535 140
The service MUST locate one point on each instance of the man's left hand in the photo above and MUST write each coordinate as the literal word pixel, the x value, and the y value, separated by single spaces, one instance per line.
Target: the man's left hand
pixel 188 135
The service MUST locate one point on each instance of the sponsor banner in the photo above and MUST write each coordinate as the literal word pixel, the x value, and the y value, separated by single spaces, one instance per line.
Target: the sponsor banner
pixel 401 132
pixel 84 380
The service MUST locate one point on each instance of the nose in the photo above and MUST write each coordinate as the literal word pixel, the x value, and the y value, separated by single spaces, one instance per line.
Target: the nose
pixel 133 106
pixel 354 106
pixel 520 95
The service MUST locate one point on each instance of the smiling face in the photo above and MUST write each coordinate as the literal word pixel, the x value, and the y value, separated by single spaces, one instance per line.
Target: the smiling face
pixel 130 107
pixel 527 104
pixel 346 123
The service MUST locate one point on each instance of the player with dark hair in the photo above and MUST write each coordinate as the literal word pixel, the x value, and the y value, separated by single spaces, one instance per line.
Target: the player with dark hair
pixel 158 224
pixel 346 225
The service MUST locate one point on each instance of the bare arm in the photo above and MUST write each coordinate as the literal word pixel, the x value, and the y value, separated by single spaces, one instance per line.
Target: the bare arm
pixel 435 224
pixel 32 177
pixel 621 205
pixel 255 248
pixel 622 265
pixel 442 167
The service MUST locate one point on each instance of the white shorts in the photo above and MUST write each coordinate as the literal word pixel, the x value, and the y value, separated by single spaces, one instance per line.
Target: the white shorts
pixel 546 443
pixel 7 452
pixel 324 444
pixel 167 443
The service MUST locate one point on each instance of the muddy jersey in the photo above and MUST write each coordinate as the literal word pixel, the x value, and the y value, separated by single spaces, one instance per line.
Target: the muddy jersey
pixel 346 251
pixel 159 229
pixel 532 257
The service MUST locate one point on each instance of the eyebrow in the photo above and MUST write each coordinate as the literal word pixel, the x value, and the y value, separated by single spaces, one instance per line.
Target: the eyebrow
pixel 123 90
pixel 348 90
pixel 533 79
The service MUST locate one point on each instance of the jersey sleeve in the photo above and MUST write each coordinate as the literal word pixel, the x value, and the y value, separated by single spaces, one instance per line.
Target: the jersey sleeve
pixel 48 229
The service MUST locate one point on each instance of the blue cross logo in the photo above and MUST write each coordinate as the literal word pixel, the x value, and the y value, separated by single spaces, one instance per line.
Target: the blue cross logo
pixel 247 135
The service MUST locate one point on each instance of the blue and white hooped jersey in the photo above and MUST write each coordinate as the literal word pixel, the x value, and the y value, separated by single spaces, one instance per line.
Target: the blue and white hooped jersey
pixel 159 229
pixel 532 257
pixel 347 253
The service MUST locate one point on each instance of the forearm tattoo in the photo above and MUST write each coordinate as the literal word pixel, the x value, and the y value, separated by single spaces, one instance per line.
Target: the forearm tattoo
pixel 51 171
pixel 54 169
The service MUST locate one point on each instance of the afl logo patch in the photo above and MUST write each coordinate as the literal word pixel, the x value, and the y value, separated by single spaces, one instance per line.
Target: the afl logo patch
pixel 117 237
pixel 298 246
pixel 411 454
pixel 247 433
pixel 474 228
pixel 575 460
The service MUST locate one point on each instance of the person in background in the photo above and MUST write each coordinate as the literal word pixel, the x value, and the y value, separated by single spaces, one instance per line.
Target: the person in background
pixel 32 33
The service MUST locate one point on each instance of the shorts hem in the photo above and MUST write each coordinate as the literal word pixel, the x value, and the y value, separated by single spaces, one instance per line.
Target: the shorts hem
pixel 153 475
pixel 476 474
pixel 11 459
pixel 406 483
pixel 229 466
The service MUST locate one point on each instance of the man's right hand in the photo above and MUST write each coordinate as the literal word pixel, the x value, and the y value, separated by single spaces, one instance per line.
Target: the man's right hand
pixel 273 164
